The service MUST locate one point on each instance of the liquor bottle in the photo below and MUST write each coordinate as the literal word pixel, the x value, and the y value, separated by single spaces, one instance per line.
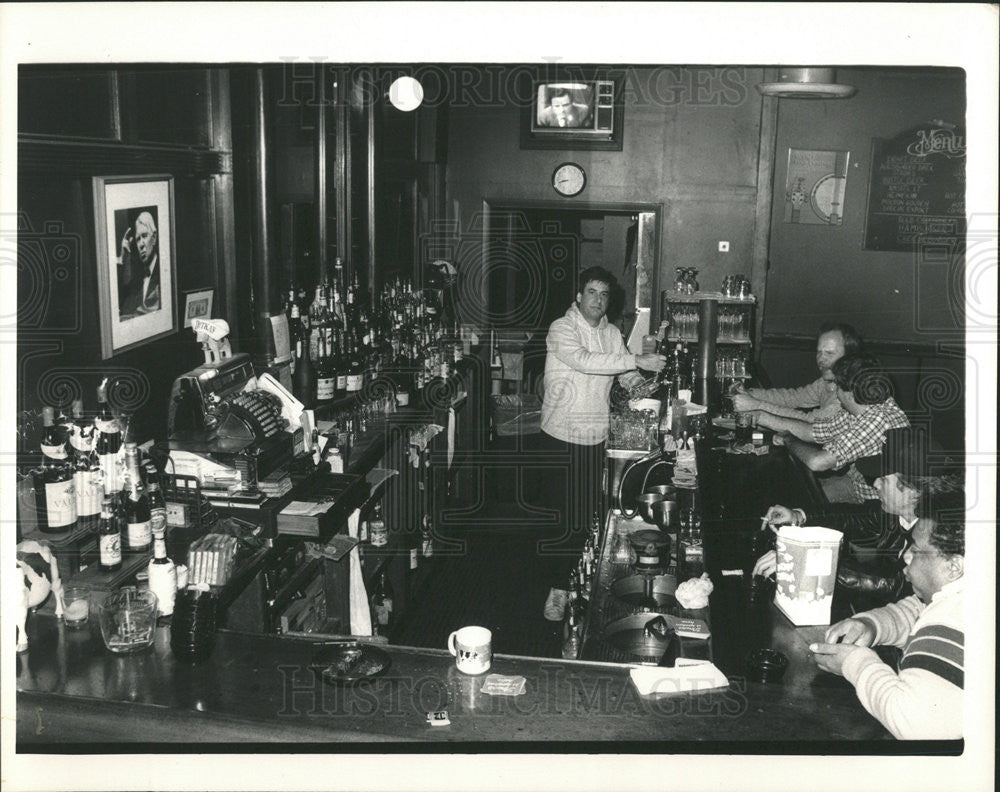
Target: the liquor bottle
pixel 109 537
pixel 135 503
pixel 355 370
pixel 571 645
pixel 401 374
pixel 162 574
pixel 377 531
pixel 341 364
pixel 87 478
pixel 55 497
pixel 326 378
pixel 761 588
pixel 319 319
pixel 427 537
pixel 109 442
pixel 304 381
pixel 295 331
pixel 381 604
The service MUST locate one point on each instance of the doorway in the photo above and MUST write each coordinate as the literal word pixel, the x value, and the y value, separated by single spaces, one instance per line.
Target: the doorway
pixel 533 252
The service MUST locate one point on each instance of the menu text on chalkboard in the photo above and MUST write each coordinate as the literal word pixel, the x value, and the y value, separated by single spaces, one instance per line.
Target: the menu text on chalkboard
pixel 916 191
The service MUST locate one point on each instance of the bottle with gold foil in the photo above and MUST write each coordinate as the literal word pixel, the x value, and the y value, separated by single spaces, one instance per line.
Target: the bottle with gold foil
pixel 162 573
pixel 109 537
pixel 135 505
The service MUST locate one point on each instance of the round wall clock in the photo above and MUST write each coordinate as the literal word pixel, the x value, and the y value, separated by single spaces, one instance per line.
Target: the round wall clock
pixel 569 179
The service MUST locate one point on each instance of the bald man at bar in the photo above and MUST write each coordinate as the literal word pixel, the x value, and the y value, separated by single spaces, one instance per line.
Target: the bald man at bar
pixel 816 400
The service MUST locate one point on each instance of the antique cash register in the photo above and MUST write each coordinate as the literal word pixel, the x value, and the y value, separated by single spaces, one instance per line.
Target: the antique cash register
pixel 223 427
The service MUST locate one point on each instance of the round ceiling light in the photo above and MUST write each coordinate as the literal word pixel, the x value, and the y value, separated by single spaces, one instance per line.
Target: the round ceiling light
pixel 806 83
pixel 406 94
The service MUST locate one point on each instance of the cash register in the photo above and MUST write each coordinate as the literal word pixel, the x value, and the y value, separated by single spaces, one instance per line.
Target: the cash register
pixel 224 428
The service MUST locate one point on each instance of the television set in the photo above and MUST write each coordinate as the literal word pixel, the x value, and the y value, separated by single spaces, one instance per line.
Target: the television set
pixel 573 114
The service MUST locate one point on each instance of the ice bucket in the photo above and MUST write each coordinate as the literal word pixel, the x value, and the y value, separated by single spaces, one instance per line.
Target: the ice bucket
pixel 807 572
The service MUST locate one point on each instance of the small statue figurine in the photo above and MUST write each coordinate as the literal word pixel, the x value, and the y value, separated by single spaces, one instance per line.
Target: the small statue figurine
pixel 213 334
pixel 40 574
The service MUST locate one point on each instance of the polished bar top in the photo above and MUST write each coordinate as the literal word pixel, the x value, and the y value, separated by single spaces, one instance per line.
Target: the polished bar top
pixel 255 688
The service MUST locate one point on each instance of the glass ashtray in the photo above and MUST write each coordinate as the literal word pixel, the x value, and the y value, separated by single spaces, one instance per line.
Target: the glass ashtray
pixel 128 620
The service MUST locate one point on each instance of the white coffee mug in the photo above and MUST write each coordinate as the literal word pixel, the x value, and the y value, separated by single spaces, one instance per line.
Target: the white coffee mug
pixel 473 650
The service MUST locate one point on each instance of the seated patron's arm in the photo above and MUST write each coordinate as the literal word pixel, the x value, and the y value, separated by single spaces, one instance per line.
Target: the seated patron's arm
pixel 809 403
pixel 924 699
pixel 827 431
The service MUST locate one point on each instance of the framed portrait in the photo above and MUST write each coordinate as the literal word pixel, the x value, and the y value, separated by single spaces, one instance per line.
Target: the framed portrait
pixel 197 305
pixel 572 112
pixel 136 273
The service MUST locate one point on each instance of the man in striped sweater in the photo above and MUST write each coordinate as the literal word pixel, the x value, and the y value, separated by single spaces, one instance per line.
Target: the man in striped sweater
pixel 923 699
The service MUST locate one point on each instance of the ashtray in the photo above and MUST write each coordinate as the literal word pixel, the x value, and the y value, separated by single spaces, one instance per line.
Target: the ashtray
pixel 350 662
pixel 766 665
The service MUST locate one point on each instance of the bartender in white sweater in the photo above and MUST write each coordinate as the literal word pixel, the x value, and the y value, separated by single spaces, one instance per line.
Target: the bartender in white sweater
pixel 584 353
pixel 923 698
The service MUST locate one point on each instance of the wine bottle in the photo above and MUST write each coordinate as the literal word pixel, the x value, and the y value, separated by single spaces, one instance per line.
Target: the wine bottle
pixel 295 331
pixel 304 381
pixel 382 604
pixel 109 537
pixel 356 370
pixel 55 497
pixel 109 442
pixel 326 378
pixel 162 574
pixel 341 365
pixel 138 521
pixel 87 478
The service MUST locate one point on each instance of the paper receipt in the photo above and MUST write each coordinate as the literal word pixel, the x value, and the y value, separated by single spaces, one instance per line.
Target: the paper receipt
pixel 500 685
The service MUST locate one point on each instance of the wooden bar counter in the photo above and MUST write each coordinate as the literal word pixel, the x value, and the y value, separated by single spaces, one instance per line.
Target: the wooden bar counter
pixel 75 695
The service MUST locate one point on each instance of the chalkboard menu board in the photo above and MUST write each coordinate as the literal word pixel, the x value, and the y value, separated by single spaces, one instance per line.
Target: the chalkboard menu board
pixel 916 192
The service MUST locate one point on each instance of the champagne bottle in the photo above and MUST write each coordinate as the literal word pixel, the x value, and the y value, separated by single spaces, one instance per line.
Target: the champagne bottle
pixel 109 538
pixel 87 478
pixel 55 497
pixel 157 505
pixel 109 442
pixel 138 521
pixel 162 574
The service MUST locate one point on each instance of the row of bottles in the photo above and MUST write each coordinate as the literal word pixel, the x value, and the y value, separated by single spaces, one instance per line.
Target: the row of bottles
pixel 342 345
pixel 581 581
pixel 82 461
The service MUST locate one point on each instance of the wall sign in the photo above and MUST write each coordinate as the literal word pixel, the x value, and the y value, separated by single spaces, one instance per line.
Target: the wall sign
pixel 916 190
pixel 815 185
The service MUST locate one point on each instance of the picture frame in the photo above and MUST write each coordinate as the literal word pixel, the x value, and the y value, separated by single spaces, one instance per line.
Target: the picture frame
pixel 197 305
pixel 136 271
pixel 573 111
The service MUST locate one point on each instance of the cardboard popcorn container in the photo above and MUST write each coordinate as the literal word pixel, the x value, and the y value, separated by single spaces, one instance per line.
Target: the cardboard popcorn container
pixel 807 572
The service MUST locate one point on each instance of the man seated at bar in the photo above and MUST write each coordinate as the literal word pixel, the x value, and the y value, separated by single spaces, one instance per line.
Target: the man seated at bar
pixel 816 400
pixel 923 699
pixel 877 532
pixel 865 392
pixel 584 352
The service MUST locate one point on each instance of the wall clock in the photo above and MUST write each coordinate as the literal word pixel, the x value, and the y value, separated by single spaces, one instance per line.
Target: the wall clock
pixel 569 179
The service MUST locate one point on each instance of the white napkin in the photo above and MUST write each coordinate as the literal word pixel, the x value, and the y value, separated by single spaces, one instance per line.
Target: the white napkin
pixel 687 676
pixel 361 616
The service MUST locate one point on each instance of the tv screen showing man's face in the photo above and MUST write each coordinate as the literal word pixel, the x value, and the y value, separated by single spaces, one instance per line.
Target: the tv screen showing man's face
pixel 566 106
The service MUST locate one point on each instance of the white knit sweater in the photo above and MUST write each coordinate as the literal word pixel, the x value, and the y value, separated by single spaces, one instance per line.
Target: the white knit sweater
pixel 923 700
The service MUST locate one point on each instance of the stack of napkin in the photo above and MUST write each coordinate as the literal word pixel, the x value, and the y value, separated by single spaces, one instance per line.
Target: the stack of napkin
pixel 686 676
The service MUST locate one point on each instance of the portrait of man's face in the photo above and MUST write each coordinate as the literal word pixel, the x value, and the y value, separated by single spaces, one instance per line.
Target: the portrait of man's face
pixel 145 238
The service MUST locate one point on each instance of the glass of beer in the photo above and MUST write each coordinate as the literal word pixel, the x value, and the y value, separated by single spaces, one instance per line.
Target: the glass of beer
pixel 744 427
